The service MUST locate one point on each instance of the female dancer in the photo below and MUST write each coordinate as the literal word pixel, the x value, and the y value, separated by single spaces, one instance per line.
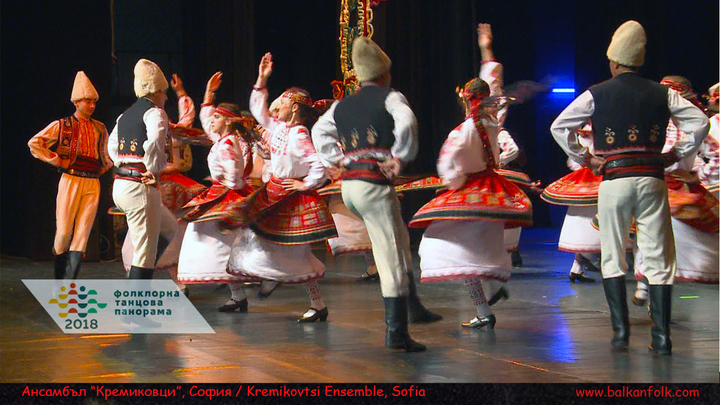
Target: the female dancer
pixel 207 245
pixel 286 214
pixel 579 191
pixel 477 207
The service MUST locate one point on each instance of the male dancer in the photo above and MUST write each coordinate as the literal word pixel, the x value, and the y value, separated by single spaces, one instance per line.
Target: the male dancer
pixel 137 146
pixel 378 133
pixel 76 145
pixel 629 116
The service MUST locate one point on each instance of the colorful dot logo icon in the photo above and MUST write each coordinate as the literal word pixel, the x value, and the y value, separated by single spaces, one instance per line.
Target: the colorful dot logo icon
pixel 76 301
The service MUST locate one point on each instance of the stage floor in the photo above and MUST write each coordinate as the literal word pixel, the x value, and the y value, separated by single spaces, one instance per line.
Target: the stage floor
pixel 548 331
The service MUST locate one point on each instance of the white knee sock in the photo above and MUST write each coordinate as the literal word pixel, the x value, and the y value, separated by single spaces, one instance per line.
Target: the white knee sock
pixel 642 289
pixel 474 287
pixel 576 266
pixel 237 292
pixel 313 292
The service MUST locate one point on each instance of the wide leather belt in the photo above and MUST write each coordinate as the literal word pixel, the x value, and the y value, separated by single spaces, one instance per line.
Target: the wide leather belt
pixel 363 166
pixel 121 171
pixel 635 161
pixel 80 173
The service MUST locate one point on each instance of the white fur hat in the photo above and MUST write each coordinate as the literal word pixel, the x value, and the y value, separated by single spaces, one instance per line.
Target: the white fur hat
pixel 628 44
pixel 368 59
pixel 82 88
pixel 148 78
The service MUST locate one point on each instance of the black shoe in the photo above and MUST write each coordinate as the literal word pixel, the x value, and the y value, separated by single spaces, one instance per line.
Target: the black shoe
pixel 616 295
pixel 500 294
pixel 61 262
pixel 240 306
pixel 368 277
pixel 396 322
pixel 580 278
pixel 516 259
pixel 141 273
pixel 417 313
pixel 660 309
pixel 74 259
pixel 319 315
pixel 478 323
pixel 261 295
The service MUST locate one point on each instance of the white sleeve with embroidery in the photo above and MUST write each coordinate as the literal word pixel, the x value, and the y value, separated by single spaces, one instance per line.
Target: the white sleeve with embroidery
pixel 492 73
pixel 206 113
pixel 326 138
pixel 709 172
pixel 448 165
pixel 186 109
pixel 259 109
pixel 113 143
pixel 301 146
pixel 156 123
pixel 510 150
pixel 566 125
pixel 41 143
pixel 405 147
pixel 230 165
pixel 690 120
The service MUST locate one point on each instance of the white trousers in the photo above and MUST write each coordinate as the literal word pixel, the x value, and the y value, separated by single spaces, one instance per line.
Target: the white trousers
pixel 76 206
pixel 645 199
pixel 379 208
pixel 146 219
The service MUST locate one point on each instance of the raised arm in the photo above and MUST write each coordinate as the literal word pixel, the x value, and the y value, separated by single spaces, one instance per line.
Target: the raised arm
pixel 186 107
pixel 259 95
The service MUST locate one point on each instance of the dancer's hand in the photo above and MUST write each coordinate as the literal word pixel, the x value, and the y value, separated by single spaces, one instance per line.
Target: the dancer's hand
pixel 485 36
pixel 294 185
pixel 148 179
pixel 670 158
pixel 212 85
pixel 335 172
pixel 391 168
pixel 177 85
pixel 266 67
pixel 596 164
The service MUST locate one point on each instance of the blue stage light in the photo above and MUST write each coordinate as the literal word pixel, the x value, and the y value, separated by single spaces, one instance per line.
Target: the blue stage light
pixel 563 90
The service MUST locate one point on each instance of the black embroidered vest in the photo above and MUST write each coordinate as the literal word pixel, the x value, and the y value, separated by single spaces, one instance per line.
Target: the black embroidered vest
pixel 366 132
pixel 629 122
pixel 132 132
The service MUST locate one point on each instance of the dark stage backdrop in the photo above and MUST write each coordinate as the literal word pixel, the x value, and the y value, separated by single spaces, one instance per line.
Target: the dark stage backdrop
pixel 432 44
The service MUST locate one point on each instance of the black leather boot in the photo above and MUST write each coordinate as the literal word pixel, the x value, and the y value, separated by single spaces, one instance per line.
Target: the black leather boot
pixel 516 259
pixel 73 264
pixel 139 273
pixel 616 295
pixel 162 246
pixel 61 261
pixel 660 308
pixel 417 312
pixel 396 321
